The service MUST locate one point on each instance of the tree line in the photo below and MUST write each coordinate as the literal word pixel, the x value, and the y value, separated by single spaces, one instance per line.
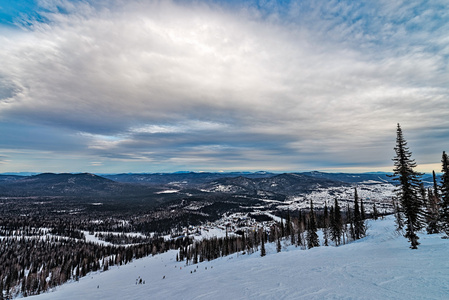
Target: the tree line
pixel 339 226
pixel 30 265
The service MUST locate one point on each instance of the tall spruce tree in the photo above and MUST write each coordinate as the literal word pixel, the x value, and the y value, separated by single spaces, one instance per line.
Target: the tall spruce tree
pixel 312 236
pixel 444 204
pixel 408 189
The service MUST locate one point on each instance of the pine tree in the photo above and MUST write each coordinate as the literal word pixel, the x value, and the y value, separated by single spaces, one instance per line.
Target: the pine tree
pixel 375 212
pixel 312 236
pixel 432 212
pixel 336 224
pixel 332 223
pixel 282 228
pixel 362 210
pixel 326 225
pixel 433 206
pixel 359 225
pixel 278 244
pixel 408 188
pixel 262 247
pixel 350 220
pixel 444 204
pixel 299 240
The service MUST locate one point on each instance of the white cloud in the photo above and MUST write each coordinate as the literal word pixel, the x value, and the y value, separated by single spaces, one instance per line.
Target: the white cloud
pixel 317 76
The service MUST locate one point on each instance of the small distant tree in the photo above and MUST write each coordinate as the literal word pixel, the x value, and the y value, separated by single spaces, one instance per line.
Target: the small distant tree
pixel 326 225
pixel 278 244
pixel 359 224
pixel 288 225
pixel 336 223
pixel 301 226
pixel 312 236
pixel 432 214
pixel 350 220
pixel 408 189
pixel 433 206
pixel 262 247
pixel 375 212
pixel 362 210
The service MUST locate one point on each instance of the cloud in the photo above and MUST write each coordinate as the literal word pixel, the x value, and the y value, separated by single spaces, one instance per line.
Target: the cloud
pixel 249 83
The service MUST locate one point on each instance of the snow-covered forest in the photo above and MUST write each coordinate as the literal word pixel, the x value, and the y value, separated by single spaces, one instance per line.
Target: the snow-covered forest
pixel 379 266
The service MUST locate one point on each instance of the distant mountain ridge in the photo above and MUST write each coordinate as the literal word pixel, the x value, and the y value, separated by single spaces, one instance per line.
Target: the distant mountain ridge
pixel 65 184
pixel 147 185
pixel 285 184
pixel 186 178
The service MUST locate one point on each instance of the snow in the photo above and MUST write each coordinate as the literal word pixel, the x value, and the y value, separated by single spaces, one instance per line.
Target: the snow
pixel 380 266
pixel 380 194
pixel 168 192
pixel 93 239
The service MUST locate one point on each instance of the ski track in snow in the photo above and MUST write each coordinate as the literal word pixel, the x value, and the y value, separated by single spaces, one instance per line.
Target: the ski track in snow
pixel 380 266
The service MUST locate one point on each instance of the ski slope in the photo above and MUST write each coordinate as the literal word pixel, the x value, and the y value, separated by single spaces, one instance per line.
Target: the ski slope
pixel 380 266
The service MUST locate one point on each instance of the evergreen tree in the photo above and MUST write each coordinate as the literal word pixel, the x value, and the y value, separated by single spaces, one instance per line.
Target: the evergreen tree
pixel 312 236
pixel 432 213
pixel 359 225
pixel 326 225
pixel 408 188
pixel 433 206
pixel 299 240
pixel 375 212
pixel 336 224
pixel 282 228
pixel 278 244
pixel 262 247
pixel 350 220
pixel 332 223
pixel 362 210
pixel 444 204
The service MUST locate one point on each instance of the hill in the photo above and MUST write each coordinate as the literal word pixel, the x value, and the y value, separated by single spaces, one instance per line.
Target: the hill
pixel 285 184
pixel 379 266
pixel 65 184
pixel 181 178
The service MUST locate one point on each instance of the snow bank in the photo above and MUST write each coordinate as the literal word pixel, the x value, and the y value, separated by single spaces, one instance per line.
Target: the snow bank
pixel 380 266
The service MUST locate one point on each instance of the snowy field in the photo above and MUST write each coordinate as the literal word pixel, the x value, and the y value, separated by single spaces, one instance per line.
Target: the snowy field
pixel 380 266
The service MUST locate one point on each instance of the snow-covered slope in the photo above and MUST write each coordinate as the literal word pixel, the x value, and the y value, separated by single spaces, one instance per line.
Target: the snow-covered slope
pixel 380 266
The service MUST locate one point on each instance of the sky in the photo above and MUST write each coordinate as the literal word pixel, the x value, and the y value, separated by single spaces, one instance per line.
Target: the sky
pixel 163 86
